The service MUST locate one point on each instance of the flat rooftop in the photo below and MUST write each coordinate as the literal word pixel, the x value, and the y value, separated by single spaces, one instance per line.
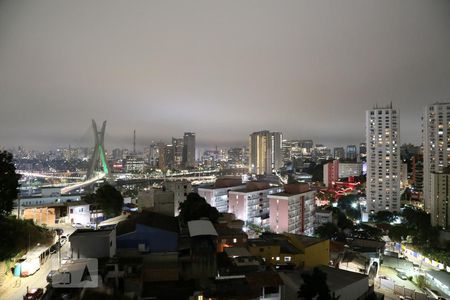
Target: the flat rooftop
pixel 201 227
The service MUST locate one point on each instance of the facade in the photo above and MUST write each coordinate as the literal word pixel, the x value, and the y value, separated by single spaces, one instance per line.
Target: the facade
pixel 322 217
pixel 40 215
pixel 146 198
pixel 331 173
pixel 339 153
pixel 362 150
pixel 178 146
pixel 265 152
pixel 403 175
pixel 134 164
pixel 251 204
pixel 93 243
pixel 383 159
pixel 436 142
pixel 153 155
pixel 351 152
pixel 79 213
pixel 162 149
pixel 237 157
pixel 189 150
pixel 291 249
pixel 163 202
pixel 180 189
pixel 217 194
pixel 292 211
pixel 440 196
pixel 350 169
pixel 417 173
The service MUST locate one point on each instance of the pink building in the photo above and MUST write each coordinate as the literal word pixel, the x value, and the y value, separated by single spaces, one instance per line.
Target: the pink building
pixel 217 194
pixel 251 204
pixel 292 211
pixel 331 173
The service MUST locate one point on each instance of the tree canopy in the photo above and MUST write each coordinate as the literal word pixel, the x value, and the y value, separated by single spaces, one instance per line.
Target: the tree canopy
pixel 9 183
pixel 196 207
pixel 108 199
pixel 315 284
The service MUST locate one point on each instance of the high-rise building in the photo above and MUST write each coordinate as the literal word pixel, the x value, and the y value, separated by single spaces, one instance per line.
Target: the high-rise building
pixel 362 150
pixel 236 157
pixel 417 174
pixel 153 155
pixel 265 155
pixel 189 150
pixel 117 153
pixel 331 173
pixel 338 153
pixel 307 145
pixel 162 156
pixel 436 136
pixel 351 152
pixel 177 145
pixel 383 159
pixel 440 196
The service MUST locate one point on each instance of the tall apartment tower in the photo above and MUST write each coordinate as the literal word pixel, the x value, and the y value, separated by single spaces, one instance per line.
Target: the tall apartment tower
pixel 265 152
pixel 351 152
pixel 440 197
pixel 383 159
pixel 189 150
pixel 436 135
pixel 178 147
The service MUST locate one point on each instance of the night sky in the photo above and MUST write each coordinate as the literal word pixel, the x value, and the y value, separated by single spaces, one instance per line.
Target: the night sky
pixel 222 69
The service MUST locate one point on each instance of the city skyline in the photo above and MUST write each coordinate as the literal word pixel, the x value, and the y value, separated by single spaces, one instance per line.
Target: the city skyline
pixel 230 70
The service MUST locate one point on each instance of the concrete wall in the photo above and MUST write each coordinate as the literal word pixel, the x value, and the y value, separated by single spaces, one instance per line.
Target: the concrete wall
pixel 93 245
pixel 43 215
pixel 79 214
pixel 278 211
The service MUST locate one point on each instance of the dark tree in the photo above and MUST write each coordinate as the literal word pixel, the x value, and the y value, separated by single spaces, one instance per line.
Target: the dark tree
pixel 106 198
pixel 9 183
pixel 384 216
pixel 196 207
pixel 328 230
pixel 398 233
pixel 315 284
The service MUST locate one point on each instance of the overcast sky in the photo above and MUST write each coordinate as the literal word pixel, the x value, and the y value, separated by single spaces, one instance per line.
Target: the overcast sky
pixel 222 69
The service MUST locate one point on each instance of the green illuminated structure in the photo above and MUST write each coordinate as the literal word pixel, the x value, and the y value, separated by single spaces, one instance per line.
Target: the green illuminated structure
pixel 99 152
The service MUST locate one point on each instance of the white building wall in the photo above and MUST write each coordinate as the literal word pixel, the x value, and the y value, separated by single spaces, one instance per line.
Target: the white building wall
pixel 383 159
pixel 79 214
pixel 218 197
pixel 440 196
pixel 435 142
pixel 349 169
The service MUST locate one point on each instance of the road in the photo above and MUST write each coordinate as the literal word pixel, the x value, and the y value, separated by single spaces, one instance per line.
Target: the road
pixel 16 287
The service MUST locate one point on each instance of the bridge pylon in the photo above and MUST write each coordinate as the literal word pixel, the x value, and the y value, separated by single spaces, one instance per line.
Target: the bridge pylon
pixel 98 156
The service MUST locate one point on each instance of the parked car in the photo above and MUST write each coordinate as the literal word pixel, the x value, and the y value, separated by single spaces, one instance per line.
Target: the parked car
pixel 34 294
pixel 402 275
pixel 78 225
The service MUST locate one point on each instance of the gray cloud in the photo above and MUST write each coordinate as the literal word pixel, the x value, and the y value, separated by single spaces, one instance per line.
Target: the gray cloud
pixel 220 68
